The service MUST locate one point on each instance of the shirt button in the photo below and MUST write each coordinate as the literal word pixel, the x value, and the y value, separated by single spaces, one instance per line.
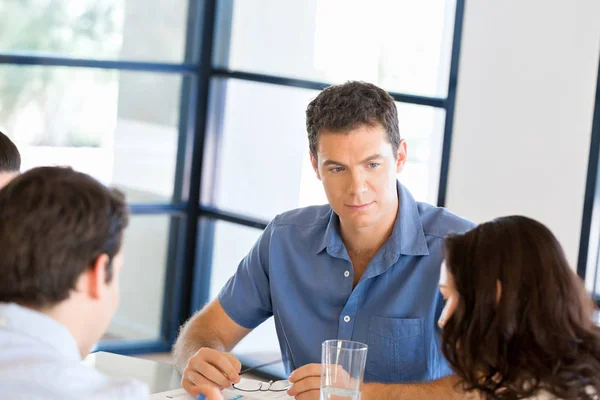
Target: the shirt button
pixel 347 274
pixel 346 319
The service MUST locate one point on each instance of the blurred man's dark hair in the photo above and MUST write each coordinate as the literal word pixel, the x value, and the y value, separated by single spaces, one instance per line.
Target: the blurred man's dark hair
pixel 10 158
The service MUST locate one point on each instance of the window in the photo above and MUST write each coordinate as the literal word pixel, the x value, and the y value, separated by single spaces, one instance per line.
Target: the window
pixel 164 101
pixel 227 254
pixel 96 29
pixel 403 46
pixel 102 85
pixel 95 121
pixel 142 279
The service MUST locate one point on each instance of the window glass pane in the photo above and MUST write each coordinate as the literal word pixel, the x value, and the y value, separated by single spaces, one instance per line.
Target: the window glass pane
pixel 97 122
pixel 423 129
pixel 232 243
pixel 268 119
pixel 142 279
pixel 151 30
pixel 401 45
pixel 276 175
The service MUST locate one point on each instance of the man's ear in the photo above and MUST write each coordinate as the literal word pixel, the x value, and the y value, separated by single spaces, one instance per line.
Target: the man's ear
pixel 96 276
pixel 401 156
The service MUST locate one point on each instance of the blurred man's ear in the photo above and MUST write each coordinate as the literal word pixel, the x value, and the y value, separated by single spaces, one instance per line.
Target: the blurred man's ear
pixel 96 276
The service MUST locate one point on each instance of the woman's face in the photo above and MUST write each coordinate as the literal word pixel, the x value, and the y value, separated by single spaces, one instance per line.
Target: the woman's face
pixel 451 296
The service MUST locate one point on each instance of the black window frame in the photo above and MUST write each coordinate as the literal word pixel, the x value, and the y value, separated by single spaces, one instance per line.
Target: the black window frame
pixel 590 223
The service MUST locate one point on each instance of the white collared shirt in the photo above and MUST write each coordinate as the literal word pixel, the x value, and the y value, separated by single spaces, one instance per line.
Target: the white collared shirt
pixel 39 359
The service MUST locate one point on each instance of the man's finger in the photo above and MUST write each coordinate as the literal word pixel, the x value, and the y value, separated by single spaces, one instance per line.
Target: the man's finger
pixel 224 364
pixel 191 380
pixel 187 385
pixel 237 365
pixel 312 395
pixel 305 371
pixel 197 379
pixel 305 385
pixel 212 374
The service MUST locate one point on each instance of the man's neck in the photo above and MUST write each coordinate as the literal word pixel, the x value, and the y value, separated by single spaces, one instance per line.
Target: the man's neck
pixel 65 315
pixel 369 239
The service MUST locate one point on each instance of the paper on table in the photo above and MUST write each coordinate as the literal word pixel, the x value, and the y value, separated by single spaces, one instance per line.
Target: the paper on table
pixel 228 394
pixel 177 394
pixel 232 394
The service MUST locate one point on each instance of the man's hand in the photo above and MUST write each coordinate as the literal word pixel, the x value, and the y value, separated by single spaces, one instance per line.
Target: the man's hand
pixel 306 382
pixel 210 368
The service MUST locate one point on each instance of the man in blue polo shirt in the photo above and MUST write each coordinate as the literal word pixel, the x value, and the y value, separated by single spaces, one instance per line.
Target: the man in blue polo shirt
pixel 364 267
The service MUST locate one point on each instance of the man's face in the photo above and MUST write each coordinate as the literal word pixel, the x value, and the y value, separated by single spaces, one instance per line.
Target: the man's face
pixel 6 177
pixel 358 170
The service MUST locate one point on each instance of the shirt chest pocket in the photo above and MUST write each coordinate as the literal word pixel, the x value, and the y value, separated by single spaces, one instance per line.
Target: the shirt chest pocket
pixel 396 350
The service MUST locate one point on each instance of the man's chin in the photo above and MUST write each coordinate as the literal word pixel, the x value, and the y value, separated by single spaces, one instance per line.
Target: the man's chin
pixel 360 221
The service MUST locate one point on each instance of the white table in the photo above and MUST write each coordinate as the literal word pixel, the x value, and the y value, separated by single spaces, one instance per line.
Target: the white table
pixel 160 377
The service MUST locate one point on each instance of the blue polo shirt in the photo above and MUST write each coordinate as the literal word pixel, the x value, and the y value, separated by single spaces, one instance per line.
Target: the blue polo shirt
pixel 300 273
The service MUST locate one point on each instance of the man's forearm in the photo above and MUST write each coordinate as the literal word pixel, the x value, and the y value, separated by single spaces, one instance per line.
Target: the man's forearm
pixel 444 388
pixel 191 340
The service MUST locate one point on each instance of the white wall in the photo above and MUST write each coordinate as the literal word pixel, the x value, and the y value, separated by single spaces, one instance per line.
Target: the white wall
pixel 524 111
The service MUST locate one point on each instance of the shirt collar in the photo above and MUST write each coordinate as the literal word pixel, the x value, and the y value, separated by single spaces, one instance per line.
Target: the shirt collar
pixel 407 236
pixel 331 239
pixel 40 327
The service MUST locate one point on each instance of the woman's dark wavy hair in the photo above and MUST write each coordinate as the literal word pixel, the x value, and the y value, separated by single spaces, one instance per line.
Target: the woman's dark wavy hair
pixel 539 335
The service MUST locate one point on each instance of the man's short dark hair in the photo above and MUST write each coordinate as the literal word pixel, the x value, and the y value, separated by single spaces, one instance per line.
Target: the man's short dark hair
pixel 344 107
pixel 54 224
pixel 10 158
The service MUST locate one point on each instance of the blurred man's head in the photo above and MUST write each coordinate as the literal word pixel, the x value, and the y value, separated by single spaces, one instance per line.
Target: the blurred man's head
pixel 60 245
pixel 10 160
